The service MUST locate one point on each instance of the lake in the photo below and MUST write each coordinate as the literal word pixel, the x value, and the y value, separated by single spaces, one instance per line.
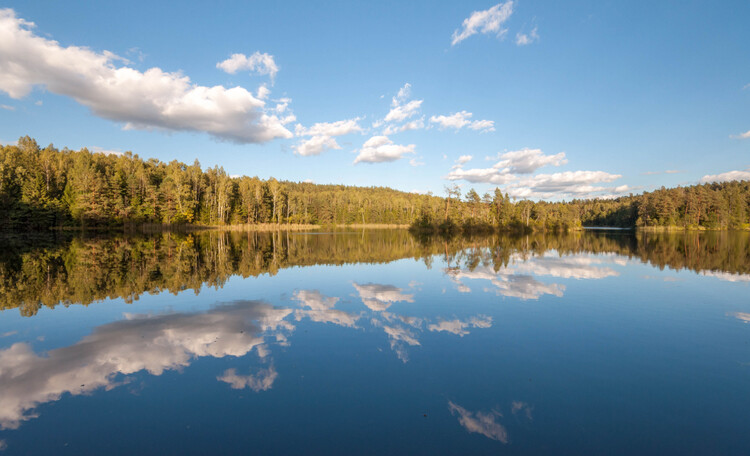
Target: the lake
pixel 375 342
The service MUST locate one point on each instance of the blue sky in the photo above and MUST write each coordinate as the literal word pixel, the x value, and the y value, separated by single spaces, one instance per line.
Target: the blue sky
pixel 551 100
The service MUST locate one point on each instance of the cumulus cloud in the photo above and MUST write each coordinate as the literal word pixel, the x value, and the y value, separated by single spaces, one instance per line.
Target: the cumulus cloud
pixel 522 39
pixel 487 21
pixel 480 175
pixel 315 146
pixel 154 99
pixel 463 159
pixel 416 124
pixel 461 119
pixel 380 149
pixel 140 342
pixel 524 161
pixel 339 128
pixel 744 135
pixel 577 184
pixel 484 423
pixel 322 136
pixel 257 63
pixel 402 109
pixel 402 112
pixel 725 177
pixel 415 162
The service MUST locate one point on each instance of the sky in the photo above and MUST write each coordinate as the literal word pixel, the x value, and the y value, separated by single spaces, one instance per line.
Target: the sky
pixel 543 99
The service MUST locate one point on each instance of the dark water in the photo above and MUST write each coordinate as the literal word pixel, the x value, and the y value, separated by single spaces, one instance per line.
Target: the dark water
pixel 376 343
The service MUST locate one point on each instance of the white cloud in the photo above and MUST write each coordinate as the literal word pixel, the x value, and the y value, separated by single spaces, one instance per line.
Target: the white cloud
pixel 401 109
pixel 523 39
pixel 481 176
pixel 404 93
pixel 460 119
pixel 100 150
pixel 402 112
pixel 154 99
pixel 461 161
pixel 416 162
pixel 7 107
pixel 339 128
pixel 257 63
pixel 415 124
pixel 322 134
pixel 315 145
pixel 744 135
pixel 482 125
pixel 577 184
pixel 486 21
pixel 480 422
pixel 526 161
pixel 505 172
pixel 728 176
pixel 380 149
pixel 263 92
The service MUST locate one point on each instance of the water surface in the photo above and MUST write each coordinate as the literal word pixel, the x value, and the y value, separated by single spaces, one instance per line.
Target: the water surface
pixel 375 342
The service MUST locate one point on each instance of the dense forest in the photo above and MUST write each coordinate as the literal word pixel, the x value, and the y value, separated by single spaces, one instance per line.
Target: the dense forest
pixel 43 188
pixel 37 271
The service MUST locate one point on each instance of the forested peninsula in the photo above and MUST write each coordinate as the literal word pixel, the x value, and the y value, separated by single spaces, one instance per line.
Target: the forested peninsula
pixel 44 188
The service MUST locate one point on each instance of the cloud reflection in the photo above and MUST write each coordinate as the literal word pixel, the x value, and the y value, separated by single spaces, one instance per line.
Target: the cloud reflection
pixel 459 327
pixel 378 297
pixel 480 422
pixel 262 381
pixel 518 278
pixel 152 343
pixel 320 309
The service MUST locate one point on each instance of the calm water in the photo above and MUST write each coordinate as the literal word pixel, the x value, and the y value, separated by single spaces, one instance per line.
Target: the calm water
pixel 376 343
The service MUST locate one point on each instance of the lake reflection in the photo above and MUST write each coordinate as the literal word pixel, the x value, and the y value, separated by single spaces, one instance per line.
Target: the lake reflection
pixel 376 342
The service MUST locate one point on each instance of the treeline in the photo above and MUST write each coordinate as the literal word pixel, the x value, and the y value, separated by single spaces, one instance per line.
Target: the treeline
pixel 724 205
pixel 78 270
pixel 715 206
pixel 46 187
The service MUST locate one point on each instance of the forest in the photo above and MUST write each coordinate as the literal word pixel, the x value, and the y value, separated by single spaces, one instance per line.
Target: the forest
pixel 42 188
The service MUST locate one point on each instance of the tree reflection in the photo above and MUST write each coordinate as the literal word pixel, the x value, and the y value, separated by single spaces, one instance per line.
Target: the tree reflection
pixel 81 270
